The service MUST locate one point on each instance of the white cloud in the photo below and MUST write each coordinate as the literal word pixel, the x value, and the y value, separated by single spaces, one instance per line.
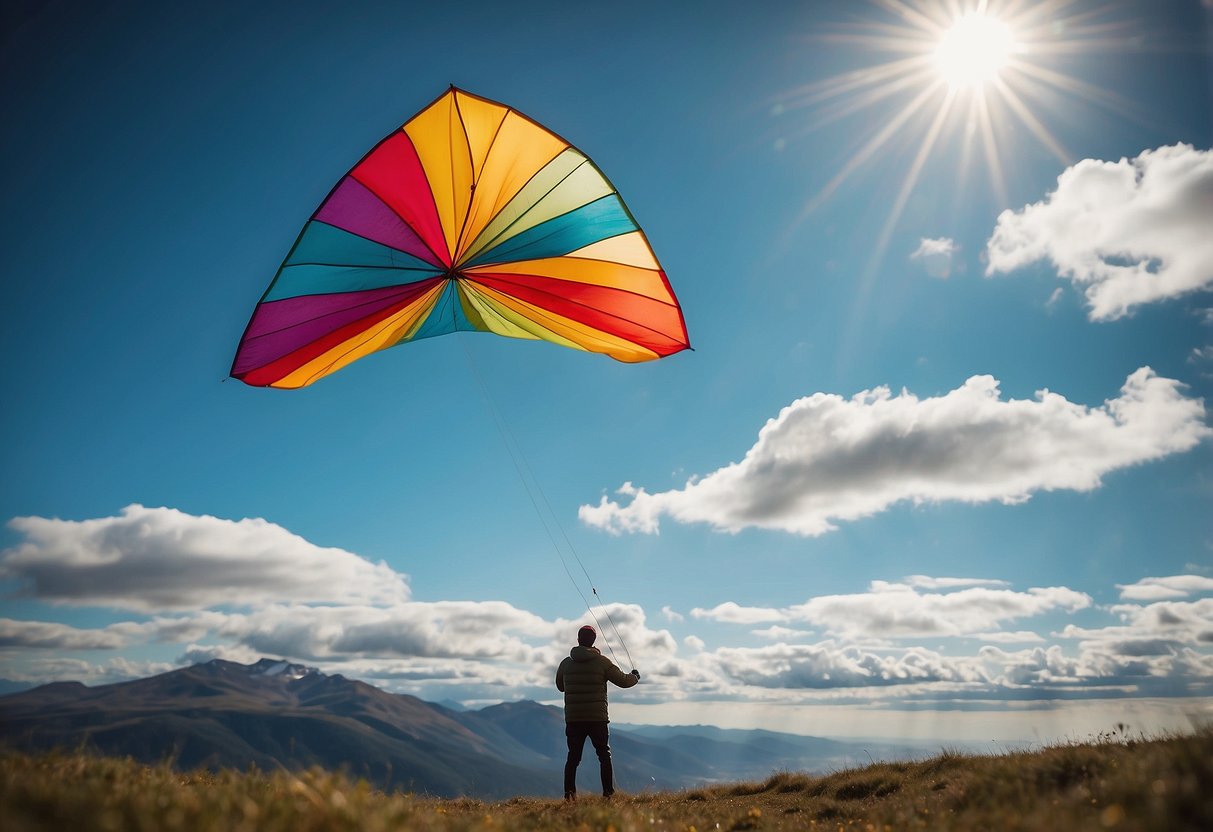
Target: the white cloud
pixel 1185 621
pixel 825 459
pixel 927 582
pixel 732 613
pixel 417 634
pixel 1202 359
pixel 489 651
pixel 1054 298
pixel 1128 233
pixel 1017 637
pixel 970 607
pixel 1141 667
pixel 893 611
pixel 1158 628
pixel 444 629
pixel 937 256
pixel 778 633
pixel 42 670
pixel 1036 666
pixel 670 614
pixel 152 559
pixel 1159 589
pixel 831 665
pixel 46 634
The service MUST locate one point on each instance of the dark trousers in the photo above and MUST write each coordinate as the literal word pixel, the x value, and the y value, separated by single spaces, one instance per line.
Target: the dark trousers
pixel 576 732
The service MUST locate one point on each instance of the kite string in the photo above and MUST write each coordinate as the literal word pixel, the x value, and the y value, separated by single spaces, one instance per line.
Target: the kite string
pixel 528 478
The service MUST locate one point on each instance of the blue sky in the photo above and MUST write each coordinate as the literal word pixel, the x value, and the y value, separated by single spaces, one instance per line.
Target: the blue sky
pixel 958 555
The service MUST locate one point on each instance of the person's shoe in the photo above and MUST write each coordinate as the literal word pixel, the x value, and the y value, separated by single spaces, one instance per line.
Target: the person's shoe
pixel 570 797
pixel 607 795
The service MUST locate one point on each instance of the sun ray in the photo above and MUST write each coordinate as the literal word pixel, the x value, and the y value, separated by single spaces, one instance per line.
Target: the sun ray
pixel 1030 121
pixel 862 295
pixel 1107 99
pixel 896 41
pixel 911 178
pixel 856 81
pixel 872 145
pixel 999 69
pixel 990 143
pixel 916 17
pixel 841 109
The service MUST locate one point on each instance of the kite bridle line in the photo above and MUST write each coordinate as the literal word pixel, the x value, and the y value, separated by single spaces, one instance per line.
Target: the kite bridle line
pixel 527 476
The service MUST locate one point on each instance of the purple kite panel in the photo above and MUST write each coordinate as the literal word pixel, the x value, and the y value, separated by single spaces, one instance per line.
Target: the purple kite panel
pixel 282 326
pixel 354 208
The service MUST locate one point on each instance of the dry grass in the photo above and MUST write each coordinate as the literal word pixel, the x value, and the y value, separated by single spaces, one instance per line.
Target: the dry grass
pixel 1161 784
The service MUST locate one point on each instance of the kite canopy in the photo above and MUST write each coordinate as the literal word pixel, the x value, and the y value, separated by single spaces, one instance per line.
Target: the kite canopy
pixel 470 217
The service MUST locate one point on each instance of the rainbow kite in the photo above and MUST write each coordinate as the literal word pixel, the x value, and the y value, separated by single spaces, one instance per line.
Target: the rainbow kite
pixel 471 217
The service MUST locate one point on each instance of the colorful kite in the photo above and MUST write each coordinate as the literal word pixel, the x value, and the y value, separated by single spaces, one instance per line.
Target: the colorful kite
pixel 471 217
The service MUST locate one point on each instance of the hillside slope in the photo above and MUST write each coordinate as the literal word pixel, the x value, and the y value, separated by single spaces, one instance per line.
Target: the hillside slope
pixel 271 715
pixel 1148 786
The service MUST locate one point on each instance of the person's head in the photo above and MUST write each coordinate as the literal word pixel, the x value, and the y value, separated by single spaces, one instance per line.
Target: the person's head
pixel 586 636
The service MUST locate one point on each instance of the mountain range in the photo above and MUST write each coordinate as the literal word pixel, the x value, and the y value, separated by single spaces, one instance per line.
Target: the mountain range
pixel 277 714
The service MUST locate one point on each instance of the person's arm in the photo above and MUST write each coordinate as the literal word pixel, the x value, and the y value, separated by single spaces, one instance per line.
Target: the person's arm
pixel 560 677
pixel 618 677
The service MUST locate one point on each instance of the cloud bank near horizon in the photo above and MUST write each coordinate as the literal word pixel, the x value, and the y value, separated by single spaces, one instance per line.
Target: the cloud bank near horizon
pixel 991 642
pixel 826 459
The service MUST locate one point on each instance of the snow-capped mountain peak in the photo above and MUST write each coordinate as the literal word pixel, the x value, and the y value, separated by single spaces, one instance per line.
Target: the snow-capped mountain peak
pixel 281 668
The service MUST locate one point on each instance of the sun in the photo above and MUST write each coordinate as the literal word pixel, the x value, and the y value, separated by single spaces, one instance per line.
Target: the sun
pixel 974 50
pixel 969 72
pixel 972 78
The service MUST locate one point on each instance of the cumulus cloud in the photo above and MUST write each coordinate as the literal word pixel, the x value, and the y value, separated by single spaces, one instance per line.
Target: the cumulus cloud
pixel 831 665
pixel 923 606
pixel 1183 621
pixel 1158 589
pixel 1161 640
pixel 487 651
pixel 777 633
pixel 154 559
pixel 45 634
pixel 993 674
pixel 1139 667
pixel 937 256
pixel 900 611
pixel 444 629
pixel 1036 666
pixel 928 582
pixel 732 613
pixel 1127 233
pixel 826 459
pixel 424 634
pixel 42 670
pixel 1017 637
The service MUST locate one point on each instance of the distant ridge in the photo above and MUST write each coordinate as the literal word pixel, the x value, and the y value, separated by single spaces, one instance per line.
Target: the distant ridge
pixel 277 714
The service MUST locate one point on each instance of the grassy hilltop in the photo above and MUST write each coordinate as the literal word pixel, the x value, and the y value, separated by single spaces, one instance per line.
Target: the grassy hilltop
pixel 1161 784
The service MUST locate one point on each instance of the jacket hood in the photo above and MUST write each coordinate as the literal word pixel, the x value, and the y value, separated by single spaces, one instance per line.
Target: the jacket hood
pixel 584 654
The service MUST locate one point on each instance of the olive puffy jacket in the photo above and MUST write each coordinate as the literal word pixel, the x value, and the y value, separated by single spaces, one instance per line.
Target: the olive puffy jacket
pixel 582 677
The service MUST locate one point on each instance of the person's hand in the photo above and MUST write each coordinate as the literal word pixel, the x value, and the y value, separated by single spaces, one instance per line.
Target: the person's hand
pixel 636 673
